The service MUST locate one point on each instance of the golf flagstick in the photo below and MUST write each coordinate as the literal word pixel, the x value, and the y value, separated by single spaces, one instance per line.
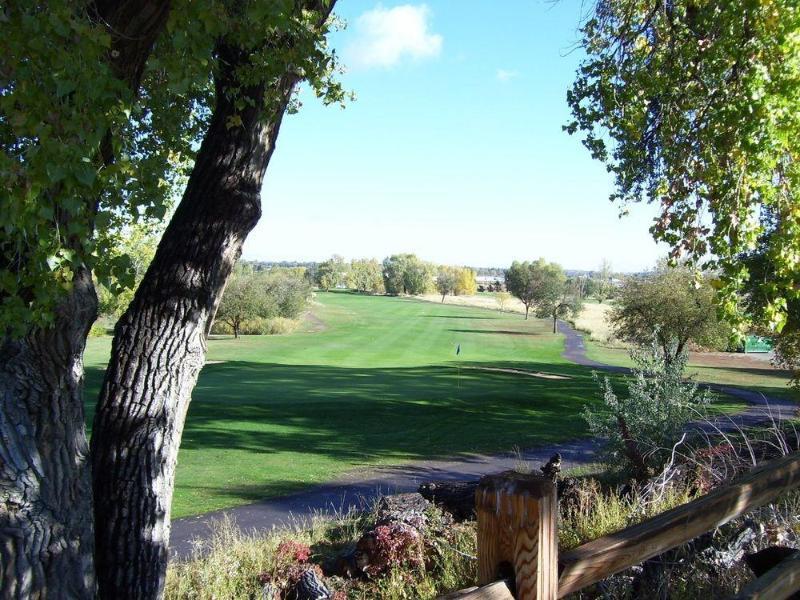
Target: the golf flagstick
pixel 458 367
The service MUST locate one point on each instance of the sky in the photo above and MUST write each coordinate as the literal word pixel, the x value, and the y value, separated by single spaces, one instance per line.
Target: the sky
pixel 453 148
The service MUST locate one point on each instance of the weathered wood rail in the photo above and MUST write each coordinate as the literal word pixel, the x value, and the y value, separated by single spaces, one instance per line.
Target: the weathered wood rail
pixel 517 517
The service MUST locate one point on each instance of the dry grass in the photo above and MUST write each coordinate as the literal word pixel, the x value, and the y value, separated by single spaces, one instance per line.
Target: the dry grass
pixel 485 300
pixel 233 565
pixel 593 319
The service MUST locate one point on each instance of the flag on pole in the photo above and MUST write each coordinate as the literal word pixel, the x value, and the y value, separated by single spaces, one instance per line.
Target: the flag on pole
pixel 458 350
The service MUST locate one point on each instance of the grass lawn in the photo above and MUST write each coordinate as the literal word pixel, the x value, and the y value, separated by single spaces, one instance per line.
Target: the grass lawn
pixel 371 380
pixel 734 369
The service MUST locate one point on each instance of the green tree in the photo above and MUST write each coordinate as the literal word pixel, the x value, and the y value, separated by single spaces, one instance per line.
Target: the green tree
pixel 446 281
pixel 252 295
pixel 99 127
pixel 406 274
pixel 536 284
pixel 602 286
pixel 557 298
pixel 672 305
pixel 693 106
pixel 331 273
pixel 761 268
pixel 243 300
pixel 366 276
pixel 138 243
pixel 287 290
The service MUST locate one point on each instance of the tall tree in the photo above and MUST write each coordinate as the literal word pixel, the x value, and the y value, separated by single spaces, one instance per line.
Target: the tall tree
pixel 331 273
pixel 159 344
pixel 91 131
pixel 446 281
pixel 70 77
pixel 556 297
pixel 366 276
pixel 692 106
pixel 534 283
pixel 672 306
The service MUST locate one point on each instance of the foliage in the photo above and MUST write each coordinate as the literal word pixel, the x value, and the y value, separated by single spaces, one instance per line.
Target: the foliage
pixel 406 274
pixel 466 282
pixel 537 284
pixel 252 301
pixel 560 298
pixel 642 426
pixel 600 285
pixel 762 269
pixel 138 243
pixel 673 305
pixel 366 276
pixel 503 300
pixel 86 155
pixel 598 511
pixel 287 291
pixel 331 273
pixel 693 106
pixel 446 281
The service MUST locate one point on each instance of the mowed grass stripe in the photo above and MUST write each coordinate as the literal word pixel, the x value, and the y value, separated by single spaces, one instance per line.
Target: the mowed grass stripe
pixel 378 384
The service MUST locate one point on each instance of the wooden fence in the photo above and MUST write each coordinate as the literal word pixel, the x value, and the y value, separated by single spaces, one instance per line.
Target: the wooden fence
pixel 518 538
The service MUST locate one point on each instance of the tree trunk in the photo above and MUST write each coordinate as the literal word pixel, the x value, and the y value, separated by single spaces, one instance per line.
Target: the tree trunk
pixel 160 342
pixel 46 538
pixel 527 308
pixel 46 532
pixel 555 321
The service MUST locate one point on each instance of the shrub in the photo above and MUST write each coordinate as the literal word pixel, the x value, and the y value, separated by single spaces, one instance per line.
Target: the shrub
pixel 642 426
pixel 98 330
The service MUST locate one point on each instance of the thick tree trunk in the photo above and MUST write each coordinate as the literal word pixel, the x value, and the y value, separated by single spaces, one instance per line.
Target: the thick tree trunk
pixel 46 532
pixel 160 342
pixel 46 537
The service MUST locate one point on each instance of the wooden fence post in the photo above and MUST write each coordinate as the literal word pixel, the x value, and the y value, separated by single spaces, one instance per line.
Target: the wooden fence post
pixel 517 516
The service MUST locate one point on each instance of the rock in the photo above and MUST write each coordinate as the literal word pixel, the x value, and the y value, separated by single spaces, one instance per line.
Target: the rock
pixel 311 587
pixel 403 508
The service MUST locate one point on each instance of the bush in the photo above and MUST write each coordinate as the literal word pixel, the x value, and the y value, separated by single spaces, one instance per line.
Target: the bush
pixel 98 330
pixel 643 426
pixel 258 326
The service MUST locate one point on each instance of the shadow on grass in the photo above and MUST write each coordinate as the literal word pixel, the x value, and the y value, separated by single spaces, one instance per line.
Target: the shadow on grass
pixel 500 332
pixel 369 414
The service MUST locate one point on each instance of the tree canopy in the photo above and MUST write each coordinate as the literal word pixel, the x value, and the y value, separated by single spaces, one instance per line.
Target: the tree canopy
pixel 693 106
pixel 91 146
pixel 671 306
pixel 537 284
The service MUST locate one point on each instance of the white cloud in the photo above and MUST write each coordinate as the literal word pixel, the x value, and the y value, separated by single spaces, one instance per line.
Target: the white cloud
pixel 504 76
pixel 384 36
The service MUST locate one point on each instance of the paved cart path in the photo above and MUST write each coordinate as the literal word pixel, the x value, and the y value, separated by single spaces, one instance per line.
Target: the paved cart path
pixel 361 487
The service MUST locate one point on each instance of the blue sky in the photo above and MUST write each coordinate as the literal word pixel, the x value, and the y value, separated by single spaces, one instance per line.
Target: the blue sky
pixel 453 148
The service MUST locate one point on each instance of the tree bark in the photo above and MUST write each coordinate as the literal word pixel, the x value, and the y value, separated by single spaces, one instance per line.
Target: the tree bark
pixel 160 342
pixel 46 537
pixel 46 531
